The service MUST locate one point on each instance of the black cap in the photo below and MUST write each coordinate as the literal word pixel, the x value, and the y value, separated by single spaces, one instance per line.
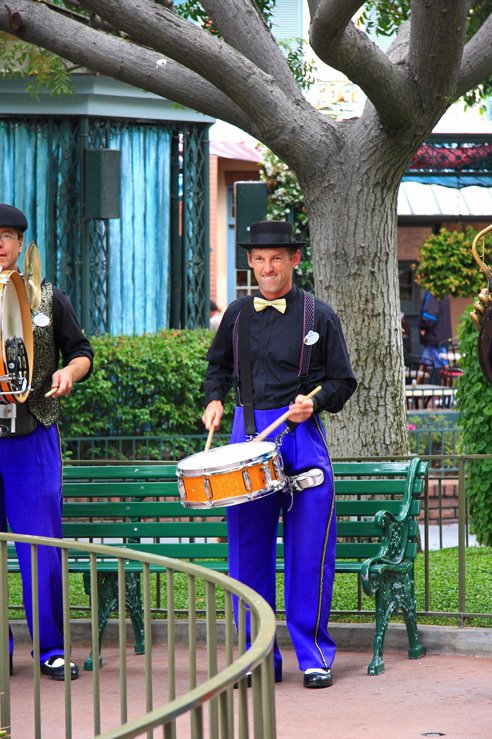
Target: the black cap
pixel 269 234
pixel 11 217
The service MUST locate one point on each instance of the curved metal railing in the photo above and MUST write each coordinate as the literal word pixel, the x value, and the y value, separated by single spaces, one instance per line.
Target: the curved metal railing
pixel 213 702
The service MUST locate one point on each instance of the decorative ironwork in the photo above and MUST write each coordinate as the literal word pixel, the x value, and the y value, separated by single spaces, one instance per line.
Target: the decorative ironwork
pixel 195 239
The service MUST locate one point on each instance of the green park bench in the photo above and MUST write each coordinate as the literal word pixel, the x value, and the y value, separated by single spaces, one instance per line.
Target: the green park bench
pixel 138 506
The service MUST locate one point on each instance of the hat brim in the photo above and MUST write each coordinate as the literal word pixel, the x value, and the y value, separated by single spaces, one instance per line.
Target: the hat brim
pixel 274 245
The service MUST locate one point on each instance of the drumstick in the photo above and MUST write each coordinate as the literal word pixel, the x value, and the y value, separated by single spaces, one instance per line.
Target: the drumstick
pixel 209 438
pixel 51 392
pixel 282 418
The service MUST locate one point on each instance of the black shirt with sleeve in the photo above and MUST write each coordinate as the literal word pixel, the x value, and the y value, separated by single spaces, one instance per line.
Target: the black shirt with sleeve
pixel 70 340
pixel 276 341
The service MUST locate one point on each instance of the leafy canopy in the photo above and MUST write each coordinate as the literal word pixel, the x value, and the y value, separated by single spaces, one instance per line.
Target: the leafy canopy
pixel 46 71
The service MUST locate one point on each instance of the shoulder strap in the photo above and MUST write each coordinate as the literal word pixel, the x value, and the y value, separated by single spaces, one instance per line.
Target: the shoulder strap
pixel 308 325
pixel 242 364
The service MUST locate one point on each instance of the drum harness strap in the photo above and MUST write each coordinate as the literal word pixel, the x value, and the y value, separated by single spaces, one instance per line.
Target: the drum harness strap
pixel 242 359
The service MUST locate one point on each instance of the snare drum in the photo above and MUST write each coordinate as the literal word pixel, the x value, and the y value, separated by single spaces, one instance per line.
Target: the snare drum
pixel 16 339
pixel 231 474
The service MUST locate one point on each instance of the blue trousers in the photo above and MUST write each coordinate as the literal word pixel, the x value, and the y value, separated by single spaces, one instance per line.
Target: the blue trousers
pixel 31 502
pixel 309 542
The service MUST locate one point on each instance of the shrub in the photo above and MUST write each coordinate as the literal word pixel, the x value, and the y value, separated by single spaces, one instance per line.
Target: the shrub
pixel 149 385
pixel 474 401
pixel 447 266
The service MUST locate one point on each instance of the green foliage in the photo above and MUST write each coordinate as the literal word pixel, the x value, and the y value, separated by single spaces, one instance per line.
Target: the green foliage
pixel 447 265
pixel 43 70
pixel 301 69
pixel 286 203
pixel 192 10
pixel 385 16
pixel 474 402
pixel 146 385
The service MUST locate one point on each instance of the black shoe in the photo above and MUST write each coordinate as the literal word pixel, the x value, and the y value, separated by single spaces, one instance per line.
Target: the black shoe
pixel 54 667
pixel 11 665
pixel 318 678
pixel 249 679
pixel 249 676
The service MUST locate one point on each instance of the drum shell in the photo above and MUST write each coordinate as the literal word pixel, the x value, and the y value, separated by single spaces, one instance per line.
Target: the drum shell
pixel 223 483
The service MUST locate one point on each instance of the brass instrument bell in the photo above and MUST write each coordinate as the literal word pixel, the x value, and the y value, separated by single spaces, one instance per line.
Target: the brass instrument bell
pixel 32 275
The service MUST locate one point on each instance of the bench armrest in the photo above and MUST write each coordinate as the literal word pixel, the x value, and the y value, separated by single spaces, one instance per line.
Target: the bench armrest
pixel 395 529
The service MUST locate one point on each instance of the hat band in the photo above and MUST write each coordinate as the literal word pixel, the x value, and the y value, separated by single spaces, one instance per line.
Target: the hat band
pixel 270 238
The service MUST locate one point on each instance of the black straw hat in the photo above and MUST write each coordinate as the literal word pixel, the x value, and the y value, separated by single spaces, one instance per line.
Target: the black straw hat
pixel 269 234
pixel 11 217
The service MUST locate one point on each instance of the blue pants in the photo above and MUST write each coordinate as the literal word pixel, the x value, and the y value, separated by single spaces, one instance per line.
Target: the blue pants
pixel 309 542
pixel 31 502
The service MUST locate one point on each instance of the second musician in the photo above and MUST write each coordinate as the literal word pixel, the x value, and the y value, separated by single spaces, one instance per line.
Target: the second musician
pixel 276 347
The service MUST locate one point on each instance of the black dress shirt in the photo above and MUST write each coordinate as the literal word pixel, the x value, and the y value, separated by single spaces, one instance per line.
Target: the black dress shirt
pixel 276 341
pixel 70 340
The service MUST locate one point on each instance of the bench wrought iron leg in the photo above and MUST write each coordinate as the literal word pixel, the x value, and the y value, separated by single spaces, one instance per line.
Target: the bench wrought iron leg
pixel 395 592
pixel 134 608
pixel 386 603
pixel 107 587
pixel 415 647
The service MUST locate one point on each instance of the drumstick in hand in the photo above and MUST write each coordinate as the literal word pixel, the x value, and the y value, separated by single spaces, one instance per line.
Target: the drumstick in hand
pixel 51 392
pixel 209 438
pixel 282 418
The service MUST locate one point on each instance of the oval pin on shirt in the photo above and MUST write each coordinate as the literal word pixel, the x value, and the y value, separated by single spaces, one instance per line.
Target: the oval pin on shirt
pixel 41 319
pixel 311 337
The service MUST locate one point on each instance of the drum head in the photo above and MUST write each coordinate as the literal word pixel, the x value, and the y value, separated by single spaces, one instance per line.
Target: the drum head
pixel 226 456
pixel 485 344
pixel 16 338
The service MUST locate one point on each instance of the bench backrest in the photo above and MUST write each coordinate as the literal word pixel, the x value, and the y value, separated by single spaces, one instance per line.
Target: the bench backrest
pixel 365 488
pixel 138 505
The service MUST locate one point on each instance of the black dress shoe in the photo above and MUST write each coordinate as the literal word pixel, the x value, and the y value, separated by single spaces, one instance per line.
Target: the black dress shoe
pixel 318 678
pixel 54 667
pixel 249 676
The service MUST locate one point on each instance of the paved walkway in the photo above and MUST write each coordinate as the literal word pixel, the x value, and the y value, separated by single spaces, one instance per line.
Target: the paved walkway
pixel 439 695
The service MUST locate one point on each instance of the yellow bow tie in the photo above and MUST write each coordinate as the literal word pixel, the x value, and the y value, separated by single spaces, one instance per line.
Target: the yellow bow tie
pixel 280 304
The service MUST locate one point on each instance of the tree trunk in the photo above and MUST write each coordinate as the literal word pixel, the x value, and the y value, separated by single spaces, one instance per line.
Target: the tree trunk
pixel 352 220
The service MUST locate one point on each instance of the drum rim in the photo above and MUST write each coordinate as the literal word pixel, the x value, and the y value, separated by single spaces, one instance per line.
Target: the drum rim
pixel 231 467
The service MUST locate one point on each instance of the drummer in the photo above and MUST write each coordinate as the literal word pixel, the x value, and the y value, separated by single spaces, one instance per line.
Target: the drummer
pixel 291 345
pixel 30 461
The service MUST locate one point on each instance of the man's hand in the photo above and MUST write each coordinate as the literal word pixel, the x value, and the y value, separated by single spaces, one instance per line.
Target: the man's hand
pixel 213 415
pixel 301 409
pixel 64 379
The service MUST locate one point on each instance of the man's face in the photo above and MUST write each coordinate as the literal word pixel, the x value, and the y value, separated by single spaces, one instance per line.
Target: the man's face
pixel 273 270
pixel 10 247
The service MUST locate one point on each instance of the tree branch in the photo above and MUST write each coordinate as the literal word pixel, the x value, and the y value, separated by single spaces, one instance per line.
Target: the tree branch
pixel 476 63
pixel 258 94
pixel 437 37
pixel 243 27
pixel 333 16
pixel 381 77
pixel 118 58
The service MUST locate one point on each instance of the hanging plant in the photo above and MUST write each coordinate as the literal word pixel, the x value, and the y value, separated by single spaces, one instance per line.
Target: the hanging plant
pixel 447 266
